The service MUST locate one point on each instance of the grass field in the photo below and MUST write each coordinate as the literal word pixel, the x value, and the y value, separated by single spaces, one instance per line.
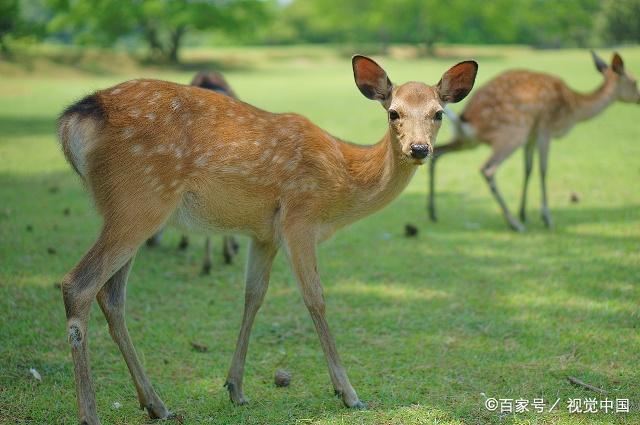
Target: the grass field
pixel 427 327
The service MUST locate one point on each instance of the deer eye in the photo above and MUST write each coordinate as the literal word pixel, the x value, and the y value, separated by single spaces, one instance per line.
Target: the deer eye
pixel 438 116
pixel 393 115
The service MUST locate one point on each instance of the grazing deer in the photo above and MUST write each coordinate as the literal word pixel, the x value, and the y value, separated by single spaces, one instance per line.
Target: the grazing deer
pixel 524 108
pixel 154 151
pixel 211 80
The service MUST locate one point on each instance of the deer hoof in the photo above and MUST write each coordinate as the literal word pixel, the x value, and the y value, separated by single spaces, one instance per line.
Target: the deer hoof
pixel 158 411
pixel 358 405
pixel 236 396
pixel 517 227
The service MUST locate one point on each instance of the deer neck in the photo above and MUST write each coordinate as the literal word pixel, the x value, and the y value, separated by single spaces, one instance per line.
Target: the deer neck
pixel 588 105
pixel 378 173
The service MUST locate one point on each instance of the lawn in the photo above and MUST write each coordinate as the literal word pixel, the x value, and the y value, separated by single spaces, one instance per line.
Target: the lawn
pixel 428 327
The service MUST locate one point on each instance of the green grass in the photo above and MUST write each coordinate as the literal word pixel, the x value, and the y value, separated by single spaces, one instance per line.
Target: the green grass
pixel 424 325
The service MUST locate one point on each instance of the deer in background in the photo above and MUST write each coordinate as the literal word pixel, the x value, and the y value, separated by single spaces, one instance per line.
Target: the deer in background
pixel 153 151
pixel 211 80
pixel 526 109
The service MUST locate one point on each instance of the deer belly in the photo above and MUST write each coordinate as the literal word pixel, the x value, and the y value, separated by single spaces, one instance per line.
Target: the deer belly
pixel 217 213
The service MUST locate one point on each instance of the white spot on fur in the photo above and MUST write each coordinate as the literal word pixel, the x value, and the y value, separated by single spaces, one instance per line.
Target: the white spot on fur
pixel 201 161
pixel 154 98
pixel 134 113
pixel 148 169
pixel 116 91
pixel 265 155
pixel 136 149
pixel 151 116
pixel 127 132
pixel 175 104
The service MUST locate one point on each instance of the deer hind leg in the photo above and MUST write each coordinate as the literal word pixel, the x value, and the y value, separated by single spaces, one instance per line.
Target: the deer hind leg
pixel 302 255
pixel 207 262
pixel 125 229
pixel 111 299
pixel 259 261
pixel 543 148
pixel 184 243
pixel 229 249
pixel 79 287
pixel 155 240
pixel 501 152
pixel 528 165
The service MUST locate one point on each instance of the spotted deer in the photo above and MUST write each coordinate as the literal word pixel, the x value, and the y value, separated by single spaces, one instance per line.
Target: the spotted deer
pixel 527 109
pixel 211 80
pixel 154 151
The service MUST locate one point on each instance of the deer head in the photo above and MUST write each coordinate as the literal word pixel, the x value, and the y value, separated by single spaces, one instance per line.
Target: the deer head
pixel 414 110
pixel 626 84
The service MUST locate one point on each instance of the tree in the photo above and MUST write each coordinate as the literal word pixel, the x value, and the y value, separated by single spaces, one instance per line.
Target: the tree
pixel 162 24
pixel 9 14
pixel 622 19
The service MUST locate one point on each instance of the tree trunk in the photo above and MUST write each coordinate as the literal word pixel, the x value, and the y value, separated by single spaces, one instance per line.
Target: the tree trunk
pixel 430 45
pixel 174 46
pixel 156 50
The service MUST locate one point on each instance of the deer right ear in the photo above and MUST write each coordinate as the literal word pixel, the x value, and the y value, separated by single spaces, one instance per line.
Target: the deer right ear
pixel 601 65
pixel 371 79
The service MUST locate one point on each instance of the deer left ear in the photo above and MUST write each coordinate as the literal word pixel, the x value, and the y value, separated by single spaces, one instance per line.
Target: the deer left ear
pixel 616 64
pixel 457 82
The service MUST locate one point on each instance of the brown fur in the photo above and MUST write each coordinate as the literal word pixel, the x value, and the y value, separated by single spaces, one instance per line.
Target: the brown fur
pixel 165 151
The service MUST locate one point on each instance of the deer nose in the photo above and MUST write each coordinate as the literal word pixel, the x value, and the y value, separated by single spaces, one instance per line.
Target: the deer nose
pixel 420 151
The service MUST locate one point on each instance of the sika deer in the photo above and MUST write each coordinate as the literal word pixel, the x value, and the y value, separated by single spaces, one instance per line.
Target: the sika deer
pixel 211 80
pixel 153 151
pixel 523 108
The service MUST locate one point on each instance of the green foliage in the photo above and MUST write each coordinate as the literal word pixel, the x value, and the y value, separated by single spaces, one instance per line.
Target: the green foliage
pixel 162 24
pixel 536 22
pixel 622 20
pixel 9 12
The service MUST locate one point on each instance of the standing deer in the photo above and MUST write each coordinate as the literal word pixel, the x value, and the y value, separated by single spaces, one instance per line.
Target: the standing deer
pixel 524 108
pixel 211 80
pixel 154 151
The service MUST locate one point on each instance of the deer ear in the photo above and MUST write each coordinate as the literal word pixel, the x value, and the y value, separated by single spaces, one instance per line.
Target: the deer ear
pixel 371 79
pixel 457 82
pixel 601 65
pixel 616 64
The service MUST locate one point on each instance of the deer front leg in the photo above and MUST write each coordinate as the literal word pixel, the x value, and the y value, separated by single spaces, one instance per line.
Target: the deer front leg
pixel 259 261
pixel 111 299
pixel 543 148
pixel 79 287
pixel 302 254
pixel 528 165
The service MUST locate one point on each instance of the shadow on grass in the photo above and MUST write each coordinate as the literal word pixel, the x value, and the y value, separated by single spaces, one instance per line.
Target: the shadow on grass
pixel 424 324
